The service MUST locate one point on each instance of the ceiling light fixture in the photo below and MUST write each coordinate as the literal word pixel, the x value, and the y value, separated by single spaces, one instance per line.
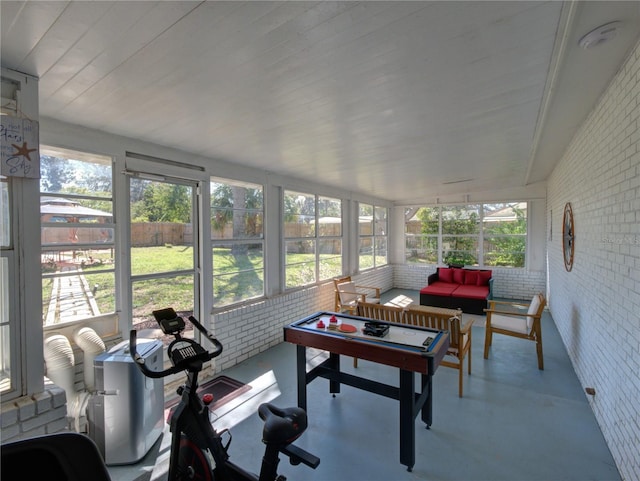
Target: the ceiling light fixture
pixel 600 35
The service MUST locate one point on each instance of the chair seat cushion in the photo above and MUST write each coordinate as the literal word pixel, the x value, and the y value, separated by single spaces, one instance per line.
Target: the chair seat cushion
pixel 439 289
pixel 471 292
pixel 508 323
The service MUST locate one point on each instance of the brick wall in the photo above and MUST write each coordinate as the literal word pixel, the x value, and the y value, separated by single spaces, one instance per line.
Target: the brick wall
pixel 596 306
pixel 36 415
pixel 508 283
pixel 248 330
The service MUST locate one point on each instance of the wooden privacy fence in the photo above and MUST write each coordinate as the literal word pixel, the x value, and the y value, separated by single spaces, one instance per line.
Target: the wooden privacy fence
pixel 147 234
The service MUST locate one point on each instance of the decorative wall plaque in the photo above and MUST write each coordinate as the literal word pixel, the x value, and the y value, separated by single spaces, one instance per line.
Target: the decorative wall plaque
pixel 19 147
pixel 568 237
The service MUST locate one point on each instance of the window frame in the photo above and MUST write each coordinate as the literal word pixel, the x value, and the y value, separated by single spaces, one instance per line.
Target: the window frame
pixel 412 238
pixel 379 235
pixel 98 239
pixel 12 347
pixel 238 241
pixel 317 239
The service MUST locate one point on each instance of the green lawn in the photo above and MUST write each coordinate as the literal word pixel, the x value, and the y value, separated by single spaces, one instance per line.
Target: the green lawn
pixel 237 276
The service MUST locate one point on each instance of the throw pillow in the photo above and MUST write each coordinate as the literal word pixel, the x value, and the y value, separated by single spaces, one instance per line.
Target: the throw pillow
pixel 445 274
pixel 483 278
pixel 471 278
pixel 458 276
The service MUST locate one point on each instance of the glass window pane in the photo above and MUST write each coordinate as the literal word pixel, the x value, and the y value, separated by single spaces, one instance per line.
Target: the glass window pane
pixel 75 238
pixel 421 249
pixel 329 217
pixel 425 221
pixel 508 251
pixel 299 215
pixel 238 266
pixel 381 221
pixel 238 272
pixel 69 172
pixel 299 207
pixel 330 255
pixel 5 215
pixel 166 258
pixel 460 250
pixel 77 235
pixel 365 222
pixel 461 219
pixel 73 292
pixel 300 263
pixel 366 253
pixel 233 224
pixel 381 251
pixel 5 328
pixel 151 294
pixel 161 228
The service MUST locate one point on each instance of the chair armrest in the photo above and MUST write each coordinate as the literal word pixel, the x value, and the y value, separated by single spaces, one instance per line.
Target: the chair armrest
pixel 432 278
pixel 512 314
pixel 361 295
pixel 377 289
pixel 490 296
pixel 507 303
pixel 466 326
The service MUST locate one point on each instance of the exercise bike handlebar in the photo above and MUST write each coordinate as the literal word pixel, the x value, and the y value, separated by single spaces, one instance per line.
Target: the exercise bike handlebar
pixel 183 364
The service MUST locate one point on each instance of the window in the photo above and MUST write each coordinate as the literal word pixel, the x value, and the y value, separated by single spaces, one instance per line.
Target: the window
pixel 372 229
pixel 504 229
pixel 77 235
pixel 460 229
pixel 162 248
pixel 421 235
pixel 237 218
pixel 330 237
pixel 313 238
pixel 486 234
pixel 9 377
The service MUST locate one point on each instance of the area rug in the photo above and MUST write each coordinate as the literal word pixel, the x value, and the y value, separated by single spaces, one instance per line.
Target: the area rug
pixel 223 389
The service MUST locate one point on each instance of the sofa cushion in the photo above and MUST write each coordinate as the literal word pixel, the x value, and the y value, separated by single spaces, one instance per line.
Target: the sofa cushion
pixel 483 278
pixel 471 292
pixel 471 278
pixel 445 274
pixel 458 276
pixel 439 288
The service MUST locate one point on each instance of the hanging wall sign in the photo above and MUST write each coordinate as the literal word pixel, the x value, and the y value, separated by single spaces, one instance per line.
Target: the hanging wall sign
pixel 19 147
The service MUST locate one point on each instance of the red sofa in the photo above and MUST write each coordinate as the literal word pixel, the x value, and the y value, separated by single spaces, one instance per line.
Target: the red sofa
pixel 453 288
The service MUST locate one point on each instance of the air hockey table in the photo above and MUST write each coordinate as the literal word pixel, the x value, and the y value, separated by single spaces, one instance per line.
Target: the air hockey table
pixel 411 349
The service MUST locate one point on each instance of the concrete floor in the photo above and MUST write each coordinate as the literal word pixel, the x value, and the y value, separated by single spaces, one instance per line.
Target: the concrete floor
pixel 514 423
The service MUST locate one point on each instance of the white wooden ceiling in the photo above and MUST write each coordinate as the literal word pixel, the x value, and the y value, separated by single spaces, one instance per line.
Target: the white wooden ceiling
pixel 401 100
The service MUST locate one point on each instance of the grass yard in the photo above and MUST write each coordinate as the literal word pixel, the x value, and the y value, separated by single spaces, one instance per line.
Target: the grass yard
pixel 237 276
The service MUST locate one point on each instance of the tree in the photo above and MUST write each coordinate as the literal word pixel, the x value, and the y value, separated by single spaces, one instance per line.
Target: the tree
pixel 163 202
pixel 505 240
pixel 55 172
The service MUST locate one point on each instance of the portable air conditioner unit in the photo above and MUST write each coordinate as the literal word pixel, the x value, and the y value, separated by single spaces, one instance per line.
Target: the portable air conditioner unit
pixel 125 416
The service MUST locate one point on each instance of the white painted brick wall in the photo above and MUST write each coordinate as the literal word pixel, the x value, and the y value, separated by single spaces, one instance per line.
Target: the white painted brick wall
pixel 596 306
pixel 508 283
pixel 37 415
pixel 248 330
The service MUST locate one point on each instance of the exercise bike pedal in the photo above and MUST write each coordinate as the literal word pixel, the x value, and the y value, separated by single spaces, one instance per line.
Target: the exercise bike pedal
pixel 298 455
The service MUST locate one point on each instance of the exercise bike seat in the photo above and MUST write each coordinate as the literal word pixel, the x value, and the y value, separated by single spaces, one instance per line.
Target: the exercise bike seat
pixel 282 426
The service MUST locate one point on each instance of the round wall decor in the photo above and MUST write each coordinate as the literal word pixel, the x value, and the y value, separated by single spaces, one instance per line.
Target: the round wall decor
pixel 568 237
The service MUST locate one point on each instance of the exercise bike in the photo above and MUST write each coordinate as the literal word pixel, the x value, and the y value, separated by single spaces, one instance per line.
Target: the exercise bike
pixel 197 449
